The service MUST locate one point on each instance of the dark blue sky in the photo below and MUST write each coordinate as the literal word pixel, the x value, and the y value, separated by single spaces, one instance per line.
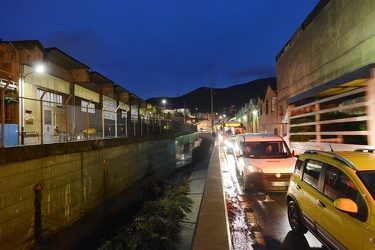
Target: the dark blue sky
pixel 163 48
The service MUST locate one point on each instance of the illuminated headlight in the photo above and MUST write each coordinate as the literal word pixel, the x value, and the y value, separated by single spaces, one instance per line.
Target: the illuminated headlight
pixel 255 169
pixel 278 175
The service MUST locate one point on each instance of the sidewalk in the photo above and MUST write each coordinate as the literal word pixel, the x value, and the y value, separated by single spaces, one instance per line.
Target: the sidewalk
pixel 206 227
pixel 197 183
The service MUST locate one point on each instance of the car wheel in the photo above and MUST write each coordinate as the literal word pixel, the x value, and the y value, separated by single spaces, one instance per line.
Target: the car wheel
pixel 294 218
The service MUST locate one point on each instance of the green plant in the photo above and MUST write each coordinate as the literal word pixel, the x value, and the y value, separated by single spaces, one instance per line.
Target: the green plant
pixel 156 225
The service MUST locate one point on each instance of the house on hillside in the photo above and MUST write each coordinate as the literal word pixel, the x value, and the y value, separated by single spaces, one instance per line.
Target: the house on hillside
pixel 204 126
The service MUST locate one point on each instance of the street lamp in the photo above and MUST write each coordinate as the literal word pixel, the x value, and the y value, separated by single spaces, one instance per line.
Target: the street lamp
pixel 38 69
pixel 164 102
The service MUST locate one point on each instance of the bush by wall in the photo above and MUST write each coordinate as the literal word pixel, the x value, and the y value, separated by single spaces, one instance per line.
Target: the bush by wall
pixel 156 225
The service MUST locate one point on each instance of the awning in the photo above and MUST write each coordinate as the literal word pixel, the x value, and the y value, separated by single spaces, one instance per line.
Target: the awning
pixel 339 83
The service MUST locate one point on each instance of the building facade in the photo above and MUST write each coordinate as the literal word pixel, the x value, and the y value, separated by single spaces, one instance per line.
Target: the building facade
pixel 66 102
pixel 325 80
pixel 325 77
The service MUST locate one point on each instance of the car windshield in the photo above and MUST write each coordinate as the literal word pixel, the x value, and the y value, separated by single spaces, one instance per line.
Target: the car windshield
pixel 273 149
pixel 368 179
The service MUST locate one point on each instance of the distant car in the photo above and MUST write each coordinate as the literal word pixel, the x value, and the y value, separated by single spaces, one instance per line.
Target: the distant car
pixel 230 144
pixel 331 194
pixel 263 161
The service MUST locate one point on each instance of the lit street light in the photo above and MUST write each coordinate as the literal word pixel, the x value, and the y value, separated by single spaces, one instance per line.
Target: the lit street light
pixel 38 69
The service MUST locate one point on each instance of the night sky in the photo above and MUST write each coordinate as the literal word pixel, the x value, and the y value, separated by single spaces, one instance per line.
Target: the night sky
pixel 162 48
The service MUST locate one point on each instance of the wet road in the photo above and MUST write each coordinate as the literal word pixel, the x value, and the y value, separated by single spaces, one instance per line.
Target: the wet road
pixel 265 215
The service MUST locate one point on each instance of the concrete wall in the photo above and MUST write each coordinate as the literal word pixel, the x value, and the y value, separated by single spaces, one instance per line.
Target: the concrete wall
pixel 71 183
pixel 337 38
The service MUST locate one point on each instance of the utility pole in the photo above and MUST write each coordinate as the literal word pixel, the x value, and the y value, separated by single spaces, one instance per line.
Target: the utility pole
pixel 212 111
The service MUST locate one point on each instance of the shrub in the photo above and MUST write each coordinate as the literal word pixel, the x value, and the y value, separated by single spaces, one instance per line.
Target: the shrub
pixel 156 225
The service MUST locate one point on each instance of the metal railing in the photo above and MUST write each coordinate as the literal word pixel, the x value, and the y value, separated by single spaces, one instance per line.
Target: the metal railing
pixel 53 122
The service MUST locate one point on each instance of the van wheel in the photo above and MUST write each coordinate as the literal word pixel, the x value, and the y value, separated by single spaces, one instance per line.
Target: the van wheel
pixel 294 218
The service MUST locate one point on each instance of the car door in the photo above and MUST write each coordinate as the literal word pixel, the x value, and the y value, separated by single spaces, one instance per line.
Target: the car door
pixel 308 191
pixel 341 229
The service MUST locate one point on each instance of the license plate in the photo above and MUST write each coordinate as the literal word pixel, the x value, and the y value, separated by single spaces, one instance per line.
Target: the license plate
pixel 279 184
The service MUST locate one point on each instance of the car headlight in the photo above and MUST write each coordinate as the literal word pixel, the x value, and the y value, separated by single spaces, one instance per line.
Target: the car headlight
pixel 255 169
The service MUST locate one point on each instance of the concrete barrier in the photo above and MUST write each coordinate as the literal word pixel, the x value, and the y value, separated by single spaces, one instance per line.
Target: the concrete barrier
pixel 41 196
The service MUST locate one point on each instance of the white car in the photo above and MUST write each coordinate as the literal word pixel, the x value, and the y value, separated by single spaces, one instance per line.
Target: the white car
pixel 264 162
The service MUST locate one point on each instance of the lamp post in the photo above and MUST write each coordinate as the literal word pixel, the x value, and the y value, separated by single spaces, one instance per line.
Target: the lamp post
pixel 212 110
pixel 38 69
pixel 164 102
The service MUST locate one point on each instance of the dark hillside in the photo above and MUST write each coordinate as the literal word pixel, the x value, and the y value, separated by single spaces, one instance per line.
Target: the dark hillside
pixel 229 99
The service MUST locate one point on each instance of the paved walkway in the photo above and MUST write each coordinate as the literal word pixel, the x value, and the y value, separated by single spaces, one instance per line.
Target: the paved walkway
pixel 206 227
pixel 197 184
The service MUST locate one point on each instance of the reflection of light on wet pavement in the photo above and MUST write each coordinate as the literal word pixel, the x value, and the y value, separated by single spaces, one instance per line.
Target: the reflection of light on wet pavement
pixel 272 231
pixel 241 230
pixel 268 198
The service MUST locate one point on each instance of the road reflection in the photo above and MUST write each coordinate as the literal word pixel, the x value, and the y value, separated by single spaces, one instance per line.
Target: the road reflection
pixel 296 241
pixel 265 213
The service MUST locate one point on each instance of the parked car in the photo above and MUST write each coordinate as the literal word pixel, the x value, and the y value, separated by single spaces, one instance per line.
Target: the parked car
pixel 230 144
pixel 331 194
pixel 263 161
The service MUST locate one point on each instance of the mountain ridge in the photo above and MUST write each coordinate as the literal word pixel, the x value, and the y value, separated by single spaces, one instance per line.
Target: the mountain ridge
pixel 225 100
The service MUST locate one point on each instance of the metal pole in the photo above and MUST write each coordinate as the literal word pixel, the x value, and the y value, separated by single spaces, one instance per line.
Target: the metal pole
pixel 87 119
pixel 212 111
pixel 66 119
pixel 116 119
pixel 22 100
pixel 3 113
pixel 103 110
pixel 41 117
pixel 126 123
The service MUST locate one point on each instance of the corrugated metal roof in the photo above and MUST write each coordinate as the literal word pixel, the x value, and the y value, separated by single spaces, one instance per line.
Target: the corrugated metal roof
pixel 60 58
pixel 27 44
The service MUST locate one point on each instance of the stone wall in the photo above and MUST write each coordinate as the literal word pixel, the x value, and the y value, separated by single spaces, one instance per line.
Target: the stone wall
pixel 41 196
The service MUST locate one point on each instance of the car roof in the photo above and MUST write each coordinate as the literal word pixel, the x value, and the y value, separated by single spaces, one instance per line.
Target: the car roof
pixel 361 161
pixel 249 137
